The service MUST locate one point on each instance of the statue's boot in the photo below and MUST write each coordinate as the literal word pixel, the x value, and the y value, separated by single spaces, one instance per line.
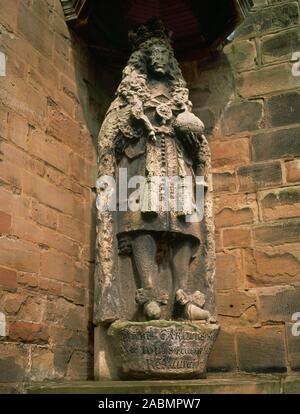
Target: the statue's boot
pixel 192 306
pixel 194 313
pixel 152 310
pixel 151 302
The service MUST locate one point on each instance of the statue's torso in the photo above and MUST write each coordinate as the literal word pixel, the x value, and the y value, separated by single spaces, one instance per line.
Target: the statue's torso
pixel 166 157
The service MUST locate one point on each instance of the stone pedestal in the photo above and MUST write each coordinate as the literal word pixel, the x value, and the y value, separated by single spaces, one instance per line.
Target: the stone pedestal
pixel 161 349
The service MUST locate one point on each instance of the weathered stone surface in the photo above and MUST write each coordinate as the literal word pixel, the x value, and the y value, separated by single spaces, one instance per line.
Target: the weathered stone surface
pixel 35 31
pixel 239 237
pixel 241 54
pixel 52 196
pixel 256 176
pixel 74 294
pixel 28 332
pixel 288 232
pixel 42 367
pixel 291 385
pixel 66 314
pixel 3 123
pixel 280 204
pixel 11 388
pixel 58 124
pixel 68 338
pixel 21 97
pixel 162 349
pixel 56 266
pixel 41 186
pixel 5 222
pixel 61 360
pixel 214 384
pixel 270 19
pixel 228 217
pixel 270 2
pixel 3 326
pixel 280 46
pixel 212 86
pixel 261 3
pixel 9 13
pixel 72 228
pixel 48 149
pixel 13 362
pixel 293 171
pixel 8 278
pixel 279 303
pixel 235 202
pixel 266 80
pixel 233 152
pixel 242 116
pixel 208 117
pixel 223 355
pixel 229 270
pixel 43 215
pixel 19 254
pixel 278 144
pixel 12 302
pixel 261 349
pixel 218 241
pixel 235 303
pixel 33 309
pixel 28 279
pixel 293 345
pixel 273 265
pixel 80 366
pixel 250 317
pixel 284 109
pixel 224 182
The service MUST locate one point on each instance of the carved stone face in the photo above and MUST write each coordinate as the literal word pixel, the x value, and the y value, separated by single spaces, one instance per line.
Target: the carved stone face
pixel 158 59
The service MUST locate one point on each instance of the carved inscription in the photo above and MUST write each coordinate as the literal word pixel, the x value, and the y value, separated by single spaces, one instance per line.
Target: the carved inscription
pixel 168 349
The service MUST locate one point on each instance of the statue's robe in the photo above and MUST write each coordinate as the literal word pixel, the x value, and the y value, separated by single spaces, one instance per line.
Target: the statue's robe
pixel 166 157
pixel 123 143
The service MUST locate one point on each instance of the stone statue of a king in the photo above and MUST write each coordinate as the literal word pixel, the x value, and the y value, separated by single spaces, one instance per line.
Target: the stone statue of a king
pixel 155 240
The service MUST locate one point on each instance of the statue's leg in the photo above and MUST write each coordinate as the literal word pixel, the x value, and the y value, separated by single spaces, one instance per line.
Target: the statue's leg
pixel 190 305
pixel 144 254
pixel 180 262
pixel 144 250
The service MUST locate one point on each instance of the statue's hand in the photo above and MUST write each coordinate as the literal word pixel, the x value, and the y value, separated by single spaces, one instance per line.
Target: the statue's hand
pixel 190 129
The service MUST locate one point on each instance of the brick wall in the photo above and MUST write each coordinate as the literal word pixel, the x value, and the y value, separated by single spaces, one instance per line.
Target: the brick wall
pixel 250 102
pixel 51 104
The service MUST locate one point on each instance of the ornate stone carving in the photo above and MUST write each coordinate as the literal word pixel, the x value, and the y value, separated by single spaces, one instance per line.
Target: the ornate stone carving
pixel 73 9
pixel 162 349
pixel 155 252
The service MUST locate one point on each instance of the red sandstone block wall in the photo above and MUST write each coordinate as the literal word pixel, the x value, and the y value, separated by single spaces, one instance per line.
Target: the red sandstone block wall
pixel 49 120
pixel 250 103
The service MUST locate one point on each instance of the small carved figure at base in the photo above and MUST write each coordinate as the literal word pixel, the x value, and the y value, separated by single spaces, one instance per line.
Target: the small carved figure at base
pixel 193 306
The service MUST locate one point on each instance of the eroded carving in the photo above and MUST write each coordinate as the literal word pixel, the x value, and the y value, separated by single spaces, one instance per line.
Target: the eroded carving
pixel 150 131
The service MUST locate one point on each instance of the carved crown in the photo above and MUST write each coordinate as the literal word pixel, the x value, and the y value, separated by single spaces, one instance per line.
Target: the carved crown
pixel 153 28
